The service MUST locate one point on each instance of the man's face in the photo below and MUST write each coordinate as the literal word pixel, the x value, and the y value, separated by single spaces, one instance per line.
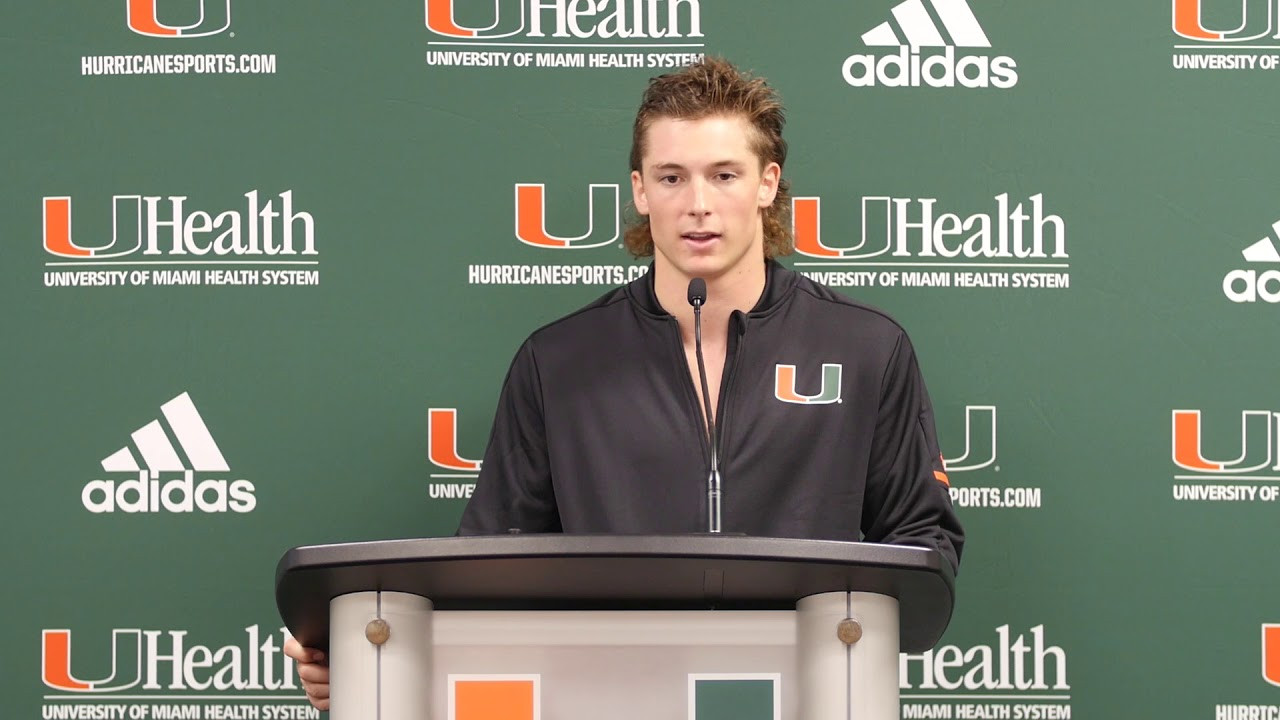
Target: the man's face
pixel 703 189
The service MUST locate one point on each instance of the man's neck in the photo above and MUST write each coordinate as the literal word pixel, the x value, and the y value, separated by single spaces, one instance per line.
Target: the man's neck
pixel 740 290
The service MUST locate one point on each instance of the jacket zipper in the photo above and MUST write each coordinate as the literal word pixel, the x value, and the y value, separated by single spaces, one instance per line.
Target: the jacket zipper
pixel 699 421
pixel 737 337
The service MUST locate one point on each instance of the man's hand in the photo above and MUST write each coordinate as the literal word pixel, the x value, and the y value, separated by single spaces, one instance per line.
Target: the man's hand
pixel 313 670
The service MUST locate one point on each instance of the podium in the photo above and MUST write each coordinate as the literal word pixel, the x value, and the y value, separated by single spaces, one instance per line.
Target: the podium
pixel 569 627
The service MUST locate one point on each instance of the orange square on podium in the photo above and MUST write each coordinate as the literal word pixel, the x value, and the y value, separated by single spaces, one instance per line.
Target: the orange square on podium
pixel 494 699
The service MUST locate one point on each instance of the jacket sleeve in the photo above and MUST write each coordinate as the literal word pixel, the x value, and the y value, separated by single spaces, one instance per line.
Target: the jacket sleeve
pixel 908 499
pixel 514 490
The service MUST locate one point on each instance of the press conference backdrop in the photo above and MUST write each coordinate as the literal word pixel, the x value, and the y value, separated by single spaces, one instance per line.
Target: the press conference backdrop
pixel 265 263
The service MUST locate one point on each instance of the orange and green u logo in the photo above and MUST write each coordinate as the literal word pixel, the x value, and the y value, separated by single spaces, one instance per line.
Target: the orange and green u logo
pixel 440 20
pixel 1255 20
pixel 784 385
pixel 126 662
pixel 1271 653
pixel 442 441
pixel 213 18
pixel 127 228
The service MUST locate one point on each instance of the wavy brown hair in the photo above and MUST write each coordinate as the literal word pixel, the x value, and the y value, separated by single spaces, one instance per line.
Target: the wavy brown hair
pixel 709 88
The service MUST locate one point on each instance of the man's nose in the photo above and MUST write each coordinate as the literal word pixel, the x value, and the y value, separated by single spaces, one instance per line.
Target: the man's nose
pixel 698 198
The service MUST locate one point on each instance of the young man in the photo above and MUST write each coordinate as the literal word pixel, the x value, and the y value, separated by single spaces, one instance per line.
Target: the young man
pixel 823 426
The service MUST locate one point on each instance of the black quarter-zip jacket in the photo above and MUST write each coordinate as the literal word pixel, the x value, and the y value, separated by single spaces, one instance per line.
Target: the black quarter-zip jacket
pixel 598 428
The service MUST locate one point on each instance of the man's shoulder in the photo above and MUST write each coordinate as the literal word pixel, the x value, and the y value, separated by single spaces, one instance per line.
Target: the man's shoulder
pixel 603 312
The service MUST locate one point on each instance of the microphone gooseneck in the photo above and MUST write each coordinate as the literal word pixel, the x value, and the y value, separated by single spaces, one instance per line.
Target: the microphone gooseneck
pixel 698 296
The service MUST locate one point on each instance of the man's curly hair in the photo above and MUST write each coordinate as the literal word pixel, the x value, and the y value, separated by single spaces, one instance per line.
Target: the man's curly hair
pixel 710 88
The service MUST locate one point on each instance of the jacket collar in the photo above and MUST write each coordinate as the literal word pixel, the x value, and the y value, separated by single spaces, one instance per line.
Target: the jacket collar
pixel 778 284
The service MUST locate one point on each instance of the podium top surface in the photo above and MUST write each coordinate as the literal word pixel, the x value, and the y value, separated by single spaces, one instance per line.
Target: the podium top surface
pixel 615 572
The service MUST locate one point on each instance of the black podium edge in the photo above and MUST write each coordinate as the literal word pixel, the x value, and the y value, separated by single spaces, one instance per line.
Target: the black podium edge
pixel 306 560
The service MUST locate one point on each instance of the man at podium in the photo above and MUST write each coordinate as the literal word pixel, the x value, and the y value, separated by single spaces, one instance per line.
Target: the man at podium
pixel 721 392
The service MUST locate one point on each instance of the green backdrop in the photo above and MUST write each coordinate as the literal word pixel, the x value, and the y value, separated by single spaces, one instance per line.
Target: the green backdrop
pixel 273 258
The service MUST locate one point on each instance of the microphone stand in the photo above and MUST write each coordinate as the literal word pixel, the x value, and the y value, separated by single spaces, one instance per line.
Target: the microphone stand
pixel 698 296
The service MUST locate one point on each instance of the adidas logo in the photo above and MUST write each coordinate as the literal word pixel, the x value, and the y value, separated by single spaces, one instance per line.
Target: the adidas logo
pixel 1246 286
pixel 1265 249
pixel 916 28
pixel 147 493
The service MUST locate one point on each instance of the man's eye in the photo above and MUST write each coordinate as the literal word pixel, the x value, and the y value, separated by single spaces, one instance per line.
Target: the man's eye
pixel 725 176
pixel 669 179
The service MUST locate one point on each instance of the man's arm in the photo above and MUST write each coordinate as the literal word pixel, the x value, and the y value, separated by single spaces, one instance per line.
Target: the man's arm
pixel 514 489
pixel 908 500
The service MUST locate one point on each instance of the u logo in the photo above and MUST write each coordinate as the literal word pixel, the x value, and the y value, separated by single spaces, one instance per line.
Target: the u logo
pixel 440 20
pixel 806 226
pixel 215 16
pixel 979 440
pixel 126 214
pixel 603 227
pixel 442 441
pixel 1271 653
pixel 1256 18
pixel 784 385
pixel 1257 441
pixel 126 662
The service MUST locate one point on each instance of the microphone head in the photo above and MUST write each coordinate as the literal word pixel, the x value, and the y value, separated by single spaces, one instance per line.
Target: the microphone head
pixel 697 291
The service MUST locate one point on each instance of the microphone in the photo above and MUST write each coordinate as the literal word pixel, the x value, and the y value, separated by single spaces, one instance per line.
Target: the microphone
pixel 697 297
pixel 697 294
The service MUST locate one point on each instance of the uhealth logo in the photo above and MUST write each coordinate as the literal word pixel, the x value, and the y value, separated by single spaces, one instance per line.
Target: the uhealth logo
pixel 146 493
pixel 1018 245
pixel 145 19
pixel 594 34
pixel 140 221
pixel 163 232
pixel 913 27
pixel 909 228
pixel 603 218
pixel 601 19
pixel 1249 285
pixel 167 660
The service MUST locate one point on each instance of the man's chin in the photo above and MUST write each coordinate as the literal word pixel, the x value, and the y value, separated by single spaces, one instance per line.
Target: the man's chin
pixel 706 268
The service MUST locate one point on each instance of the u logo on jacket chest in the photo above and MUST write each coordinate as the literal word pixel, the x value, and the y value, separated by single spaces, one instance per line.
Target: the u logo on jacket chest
pixel 784 385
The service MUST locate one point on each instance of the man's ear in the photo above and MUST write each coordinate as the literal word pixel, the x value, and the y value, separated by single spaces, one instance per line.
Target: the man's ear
pixel 769 179
pixel 637 193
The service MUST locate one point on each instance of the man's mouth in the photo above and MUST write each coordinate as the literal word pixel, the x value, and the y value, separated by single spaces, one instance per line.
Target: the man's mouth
pixel 700 237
